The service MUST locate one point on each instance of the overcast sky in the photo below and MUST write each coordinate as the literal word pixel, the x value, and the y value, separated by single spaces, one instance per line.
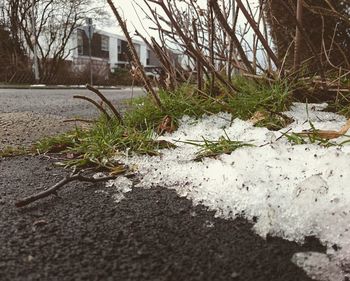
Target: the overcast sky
pixel 134 16
pixel 127 9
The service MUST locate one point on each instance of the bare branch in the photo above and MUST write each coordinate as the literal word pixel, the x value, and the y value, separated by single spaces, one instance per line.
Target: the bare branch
pixel 135 57
pixel 53 190
pixel 100 108
pixel 107 102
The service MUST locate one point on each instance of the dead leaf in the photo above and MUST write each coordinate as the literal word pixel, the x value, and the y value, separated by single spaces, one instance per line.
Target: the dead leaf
pixel 117 170
pixel 167 125
pixel 345 128
pixel 327 134
pixel 165 144
pixel 257 117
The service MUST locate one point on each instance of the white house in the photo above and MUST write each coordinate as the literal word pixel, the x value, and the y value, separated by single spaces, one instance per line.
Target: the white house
pixel 107 51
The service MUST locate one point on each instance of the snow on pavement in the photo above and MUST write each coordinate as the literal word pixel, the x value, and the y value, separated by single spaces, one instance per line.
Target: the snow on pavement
pixel 291 191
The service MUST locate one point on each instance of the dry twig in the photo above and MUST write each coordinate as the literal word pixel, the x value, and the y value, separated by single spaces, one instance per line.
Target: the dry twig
pixel 107 102
pixel 99 107
pixel 74 176
pixel 135 57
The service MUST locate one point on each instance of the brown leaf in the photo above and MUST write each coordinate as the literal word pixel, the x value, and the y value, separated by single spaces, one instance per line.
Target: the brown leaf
pixel 257 117
pixel 321 133
pixel 165 144
pixel 167 125
pixel 117 170
pixel 327 134
pixel 345 128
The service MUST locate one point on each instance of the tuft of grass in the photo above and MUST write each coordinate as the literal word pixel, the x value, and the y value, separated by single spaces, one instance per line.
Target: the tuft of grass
pixel 98 145
pixel 212 149
pixel 11 151
pixel 253 96
pixel 274 123
pixel 295 138
pixel 256 96
pixel 107 138
pixel 59 143
pixel 183 101
pixel 313 138
pixel 340 105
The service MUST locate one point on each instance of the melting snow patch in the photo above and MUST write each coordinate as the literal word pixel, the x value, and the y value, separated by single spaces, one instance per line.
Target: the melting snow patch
pixel 304 114
pixel 318 266
pixel 292 191
pixel 121 186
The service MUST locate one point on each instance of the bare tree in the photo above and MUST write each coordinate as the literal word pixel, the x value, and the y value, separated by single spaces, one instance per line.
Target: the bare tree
pixel 54 23
pixel 12 53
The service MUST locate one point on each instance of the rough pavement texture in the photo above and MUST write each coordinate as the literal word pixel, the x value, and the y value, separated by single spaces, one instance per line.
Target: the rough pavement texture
pixel 25 128
pixel 60 102
pixel 28 115
pixel 150 235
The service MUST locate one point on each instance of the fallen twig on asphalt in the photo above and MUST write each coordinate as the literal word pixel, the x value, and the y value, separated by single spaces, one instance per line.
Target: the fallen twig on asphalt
pixel 74 176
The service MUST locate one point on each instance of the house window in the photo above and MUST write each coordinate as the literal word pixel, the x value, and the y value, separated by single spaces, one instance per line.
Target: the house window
pixel 119 46
pixel 148 59
pixel 80 42
pixel 104 43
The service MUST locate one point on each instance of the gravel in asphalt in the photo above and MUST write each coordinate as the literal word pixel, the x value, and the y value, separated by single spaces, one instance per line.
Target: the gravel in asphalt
pixel 151 235
pixel 28 115
pixel 60 102
pixel 24 128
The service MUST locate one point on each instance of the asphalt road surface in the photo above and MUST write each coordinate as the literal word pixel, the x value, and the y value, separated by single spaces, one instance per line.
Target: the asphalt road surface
pixel 60 102
pixel 153 234
pixel 83 234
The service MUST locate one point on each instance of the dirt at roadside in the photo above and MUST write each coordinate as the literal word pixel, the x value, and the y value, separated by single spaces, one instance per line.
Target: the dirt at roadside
pixel 25 128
